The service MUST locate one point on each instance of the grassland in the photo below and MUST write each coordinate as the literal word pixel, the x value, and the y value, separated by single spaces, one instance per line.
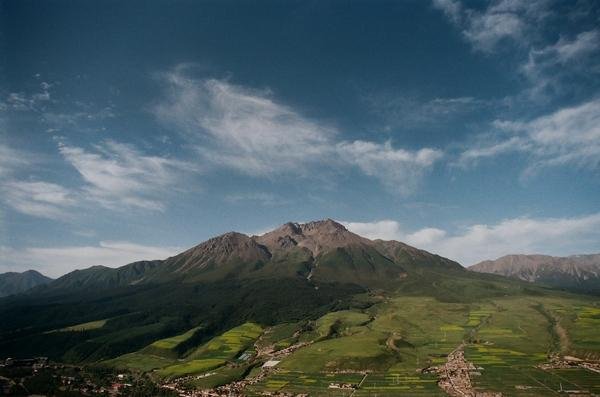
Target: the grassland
pixel 84 326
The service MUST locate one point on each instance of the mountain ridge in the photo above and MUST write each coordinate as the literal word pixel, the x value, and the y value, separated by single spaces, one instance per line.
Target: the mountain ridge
pixel 575 272
pixel 14 283
pixel 317 251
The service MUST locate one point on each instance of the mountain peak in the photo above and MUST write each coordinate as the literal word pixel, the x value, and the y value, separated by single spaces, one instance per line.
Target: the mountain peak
pixel 323 226
pixel 226 248
pixel 316 236
pixel 14 283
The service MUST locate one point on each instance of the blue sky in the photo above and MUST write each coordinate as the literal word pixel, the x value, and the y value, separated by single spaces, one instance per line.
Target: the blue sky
pixel 134 130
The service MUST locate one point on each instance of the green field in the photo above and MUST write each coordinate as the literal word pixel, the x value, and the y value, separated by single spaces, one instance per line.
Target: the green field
pixel 84 326
pixel 172 343
pixel 383 347
pixel 216 352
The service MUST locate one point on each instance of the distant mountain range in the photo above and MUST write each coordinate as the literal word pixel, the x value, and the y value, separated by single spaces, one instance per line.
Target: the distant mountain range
pixel 15 283
pixel 579 273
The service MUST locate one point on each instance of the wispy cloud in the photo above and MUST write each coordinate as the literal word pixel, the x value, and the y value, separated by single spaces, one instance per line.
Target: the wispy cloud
pixel 243 129
pixel 57 261
pixel 11 160
pixel 402 111
pixel 501 20
pixel 398 169
pixel 40 199
pixel 251 132
pixel 120 176
pixel 548 68
pixel 569 136
pixel 22 101
pixel 475 243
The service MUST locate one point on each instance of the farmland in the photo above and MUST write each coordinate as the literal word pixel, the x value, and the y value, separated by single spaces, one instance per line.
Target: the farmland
pixel 391 347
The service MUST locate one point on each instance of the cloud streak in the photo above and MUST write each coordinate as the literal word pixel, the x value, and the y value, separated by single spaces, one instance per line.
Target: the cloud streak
pixel 120 176
pixel 566 137
pixel 40 199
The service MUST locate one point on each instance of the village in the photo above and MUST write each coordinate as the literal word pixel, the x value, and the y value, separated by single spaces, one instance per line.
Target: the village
pixel 40 376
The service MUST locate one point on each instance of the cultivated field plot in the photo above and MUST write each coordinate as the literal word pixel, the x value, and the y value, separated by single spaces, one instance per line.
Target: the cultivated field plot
pixel 578 379
pixel 190 367
pixel 83 327
pixel 172 343
pixel 216 352
pixel 520 334
pixel 315 384
pixel 423 329
pixel 393 384
pixel 158 354
pixel 230 344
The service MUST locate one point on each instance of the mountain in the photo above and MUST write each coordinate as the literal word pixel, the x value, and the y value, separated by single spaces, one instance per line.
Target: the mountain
pixel 335 312
pixel 319 251
pixel 297 272
pixel 577 273
pixel 15 283
pixel 104 277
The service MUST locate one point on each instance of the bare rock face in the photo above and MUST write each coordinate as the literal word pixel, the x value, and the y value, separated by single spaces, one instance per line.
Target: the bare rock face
pixel 224 249
pixel 317 237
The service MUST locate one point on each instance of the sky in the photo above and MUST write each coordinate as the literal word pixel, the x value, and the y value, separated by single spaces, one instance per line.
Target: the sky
pixel 134 130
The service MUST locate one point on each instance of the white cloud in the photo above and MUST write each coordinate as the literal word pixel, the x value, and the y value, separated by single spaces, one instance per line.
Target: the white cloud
pixel 452 9
pixel 549 67
pixel 119 175
pixel 475 243
pixel 243 129
pixel 400 170
pixel 41 199
pixel 11 160
pixel 20 101
pixel 569 136
pixel 250 132
pixel 582 45
pixel 501 20
pixel 55 262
